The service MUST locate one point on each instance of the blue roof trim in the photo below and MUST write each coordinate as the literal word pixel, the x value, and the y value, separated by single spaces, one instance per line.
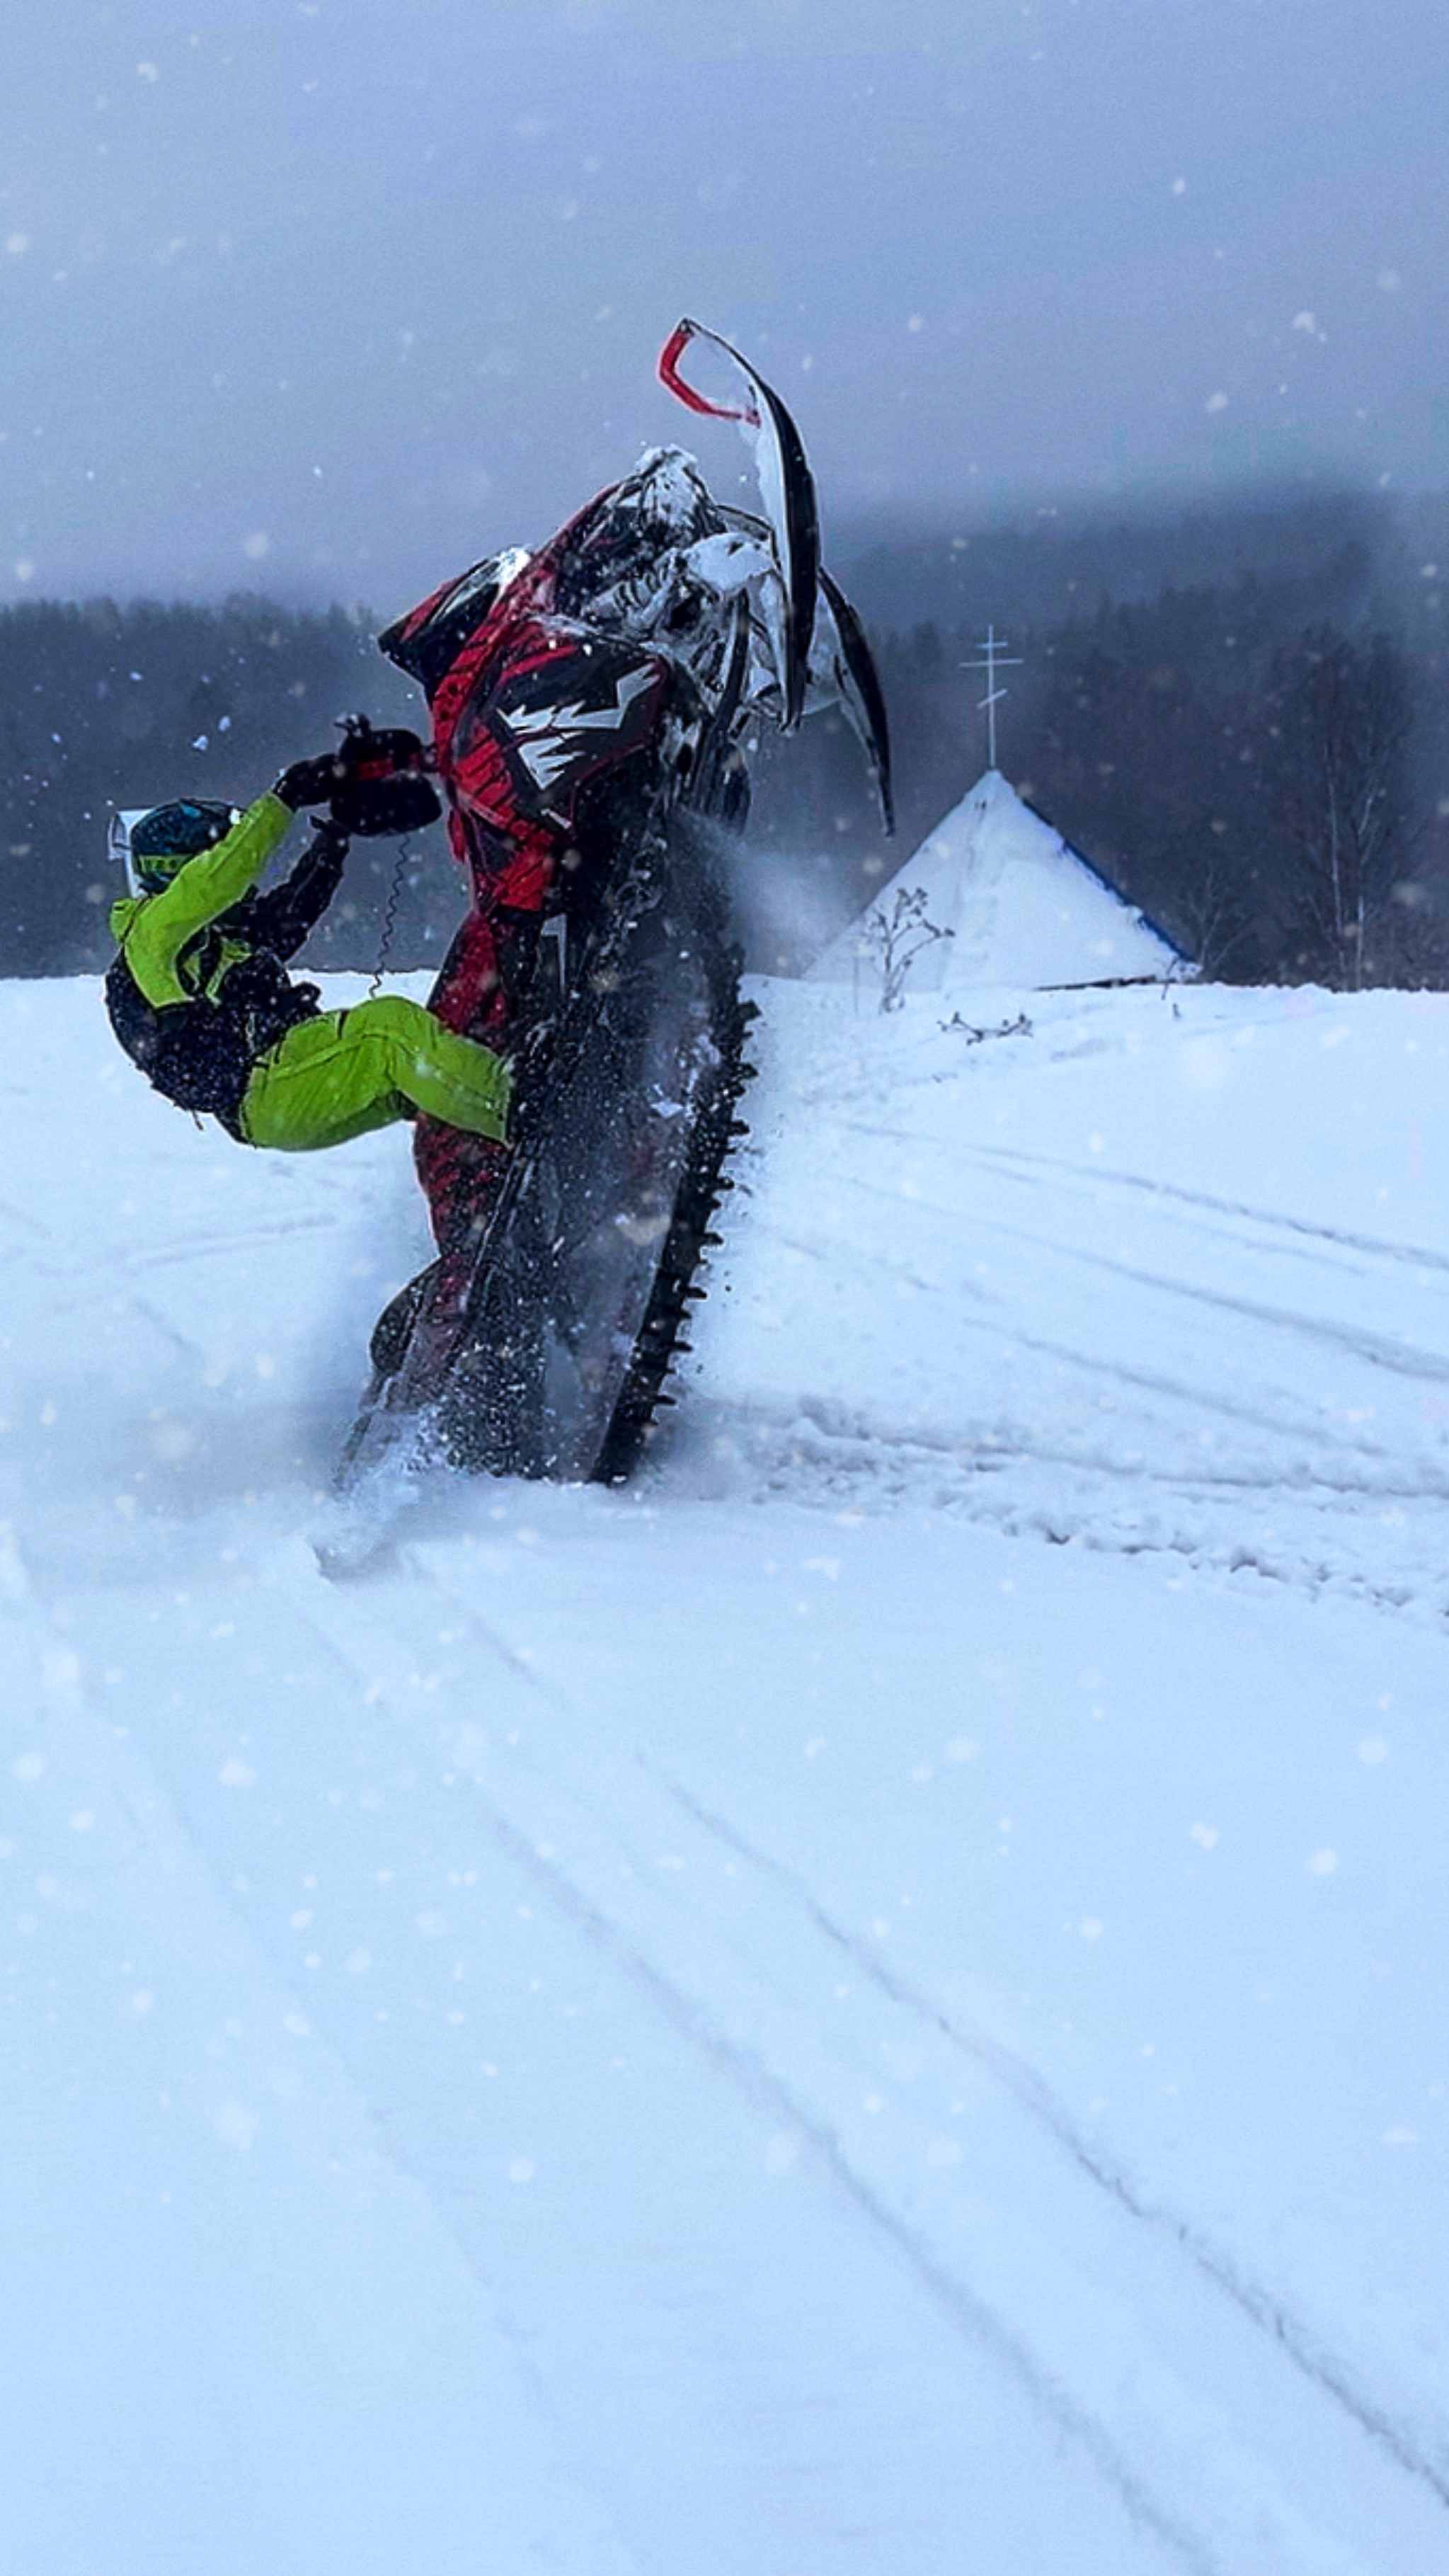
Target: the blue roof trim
pixel 1105 881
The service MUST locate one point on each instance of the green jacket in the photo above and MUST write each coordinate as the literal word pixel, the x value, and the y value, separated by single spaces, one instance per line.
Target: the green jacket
pixel 154 931
pixel 199 990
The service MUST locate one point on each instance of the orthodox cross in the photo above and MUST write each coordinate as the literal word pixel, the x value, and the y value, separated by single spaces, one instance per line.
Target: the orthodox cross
pixel 995 660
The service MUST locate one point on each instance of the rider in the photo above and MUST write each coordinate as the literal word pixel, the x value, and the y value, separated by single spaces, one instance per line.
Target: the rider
pixel 200 998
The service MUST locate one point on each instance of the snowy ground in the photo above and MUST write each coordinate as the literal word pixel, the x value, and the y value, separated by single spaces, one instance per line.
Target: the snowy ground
pixel 871 2007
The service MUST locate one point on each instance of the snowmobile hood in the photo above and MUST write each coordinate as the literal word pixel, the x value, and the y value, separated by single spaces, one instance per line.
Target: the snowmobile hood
pixel 426 641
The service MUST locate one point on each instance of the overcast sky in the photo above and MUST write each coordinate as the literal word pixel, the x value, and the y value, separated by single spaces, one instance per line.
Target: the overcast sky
pixel 329 297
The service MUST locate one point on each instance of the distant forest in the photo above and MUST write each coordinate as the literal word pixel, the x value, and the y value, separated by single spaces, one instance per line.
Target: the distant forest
pixel 104 707
pixel 1238 714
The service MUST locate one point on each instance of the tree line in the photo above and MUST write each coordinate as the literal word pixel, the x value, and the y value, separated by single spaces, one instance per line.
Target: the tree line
pixel 1260 762
pixel 105 707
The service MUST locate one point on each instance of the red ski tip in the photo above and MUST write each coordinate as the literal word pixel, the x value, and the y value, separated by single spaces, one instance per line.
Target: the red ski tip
pixel 669 375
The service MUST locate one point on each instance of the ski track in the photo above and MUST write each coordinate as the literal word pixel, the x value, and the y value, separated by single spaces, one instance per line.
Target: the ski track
pixel 401 1643
pixel 1100 1178
pixel 183 1893
pixel 581 1846
pixel 1098 1182
pixel 1402 1358
pixel 812 1453
pixel 1119 2320
pixel 1303 1394
pixel 1264 2307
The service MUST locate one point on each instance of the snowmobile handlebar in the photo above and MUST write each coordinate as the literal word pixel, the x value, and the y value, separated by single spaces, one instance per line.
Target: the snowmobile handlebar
pixel 385 787
pixel 374 784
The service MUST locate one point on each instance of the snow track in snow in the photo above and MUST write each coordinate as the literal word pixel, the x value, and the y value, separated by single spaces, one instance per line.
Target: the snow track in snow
pixel 1125 2343
pixel 1107 1355
pixel 1256 1221
pixel 1289 2335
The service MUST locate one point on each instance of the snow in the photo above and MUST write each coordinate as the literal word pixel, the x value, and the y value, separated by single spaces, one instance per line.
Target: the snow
pixel 871 2002
pixel 1018 905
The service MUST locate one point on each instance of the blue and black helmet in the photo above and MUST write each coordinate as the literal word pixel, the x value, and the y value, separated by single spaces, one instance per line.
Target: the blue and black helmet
pixel 163 840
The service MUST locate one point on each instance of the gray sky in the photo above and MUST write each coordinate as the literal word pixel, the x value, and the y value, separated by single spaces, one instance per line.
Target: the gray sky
pixel 329 298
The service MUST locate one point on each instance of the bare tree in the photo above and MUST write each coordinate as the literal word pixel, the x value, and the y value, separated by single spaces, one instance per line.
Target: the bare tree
pixel 1212 913
pixel 1343 718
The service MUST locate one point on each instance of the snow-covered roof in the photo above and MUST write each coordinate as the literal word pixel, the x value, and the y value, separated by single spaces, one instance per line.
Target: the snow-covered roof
pixel 1022 906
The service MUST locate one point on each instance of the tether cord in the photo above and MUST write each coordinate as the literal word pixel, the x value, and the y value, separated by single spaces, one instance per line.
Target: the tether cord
pixel 389 915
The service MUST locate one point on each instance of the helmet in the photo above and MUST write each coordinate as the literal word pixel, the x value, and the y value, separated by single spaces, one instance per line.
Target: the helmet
pixel 161 842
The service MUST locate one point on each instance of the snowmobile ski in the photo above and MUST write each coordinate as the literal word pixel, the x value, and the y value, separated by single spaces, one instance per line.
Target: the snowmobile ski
pixel 787 489
pixel 858 682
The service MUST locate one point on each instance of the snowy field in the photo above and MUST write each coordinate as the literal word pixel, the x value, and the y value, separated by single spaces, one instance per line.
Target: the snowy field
pixel 872 2006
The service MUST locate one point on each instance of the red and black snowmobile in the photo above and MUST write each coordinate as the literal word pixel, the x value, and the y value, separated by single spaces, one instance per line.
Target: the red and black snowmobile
pixel 589 703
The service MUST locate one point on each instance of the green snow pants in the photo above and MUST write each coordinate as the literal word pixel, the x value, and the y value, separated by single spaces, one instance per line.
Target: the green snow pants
pixel 338 1075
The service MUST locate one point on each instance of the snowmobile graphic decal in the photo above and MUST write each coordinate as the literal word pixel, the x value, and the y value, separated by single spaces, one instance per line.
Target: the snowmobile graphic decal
pixel 557 724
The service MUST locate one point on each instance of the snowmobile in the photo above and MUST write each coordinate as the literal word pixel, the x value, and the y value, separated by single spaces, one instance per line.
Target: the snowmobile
pixel 591 705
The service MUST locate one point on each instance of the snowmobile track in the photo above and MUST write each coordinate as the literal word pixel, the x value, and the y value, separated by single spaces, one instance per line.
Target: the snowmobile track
pixel 556 1361
pixel 690 1235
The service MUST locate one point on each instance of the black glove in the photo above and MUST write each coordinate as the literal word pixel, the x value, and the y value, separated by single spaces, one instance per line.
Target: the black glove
pixel 383 787
pixel 369 807
pixel 311 782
